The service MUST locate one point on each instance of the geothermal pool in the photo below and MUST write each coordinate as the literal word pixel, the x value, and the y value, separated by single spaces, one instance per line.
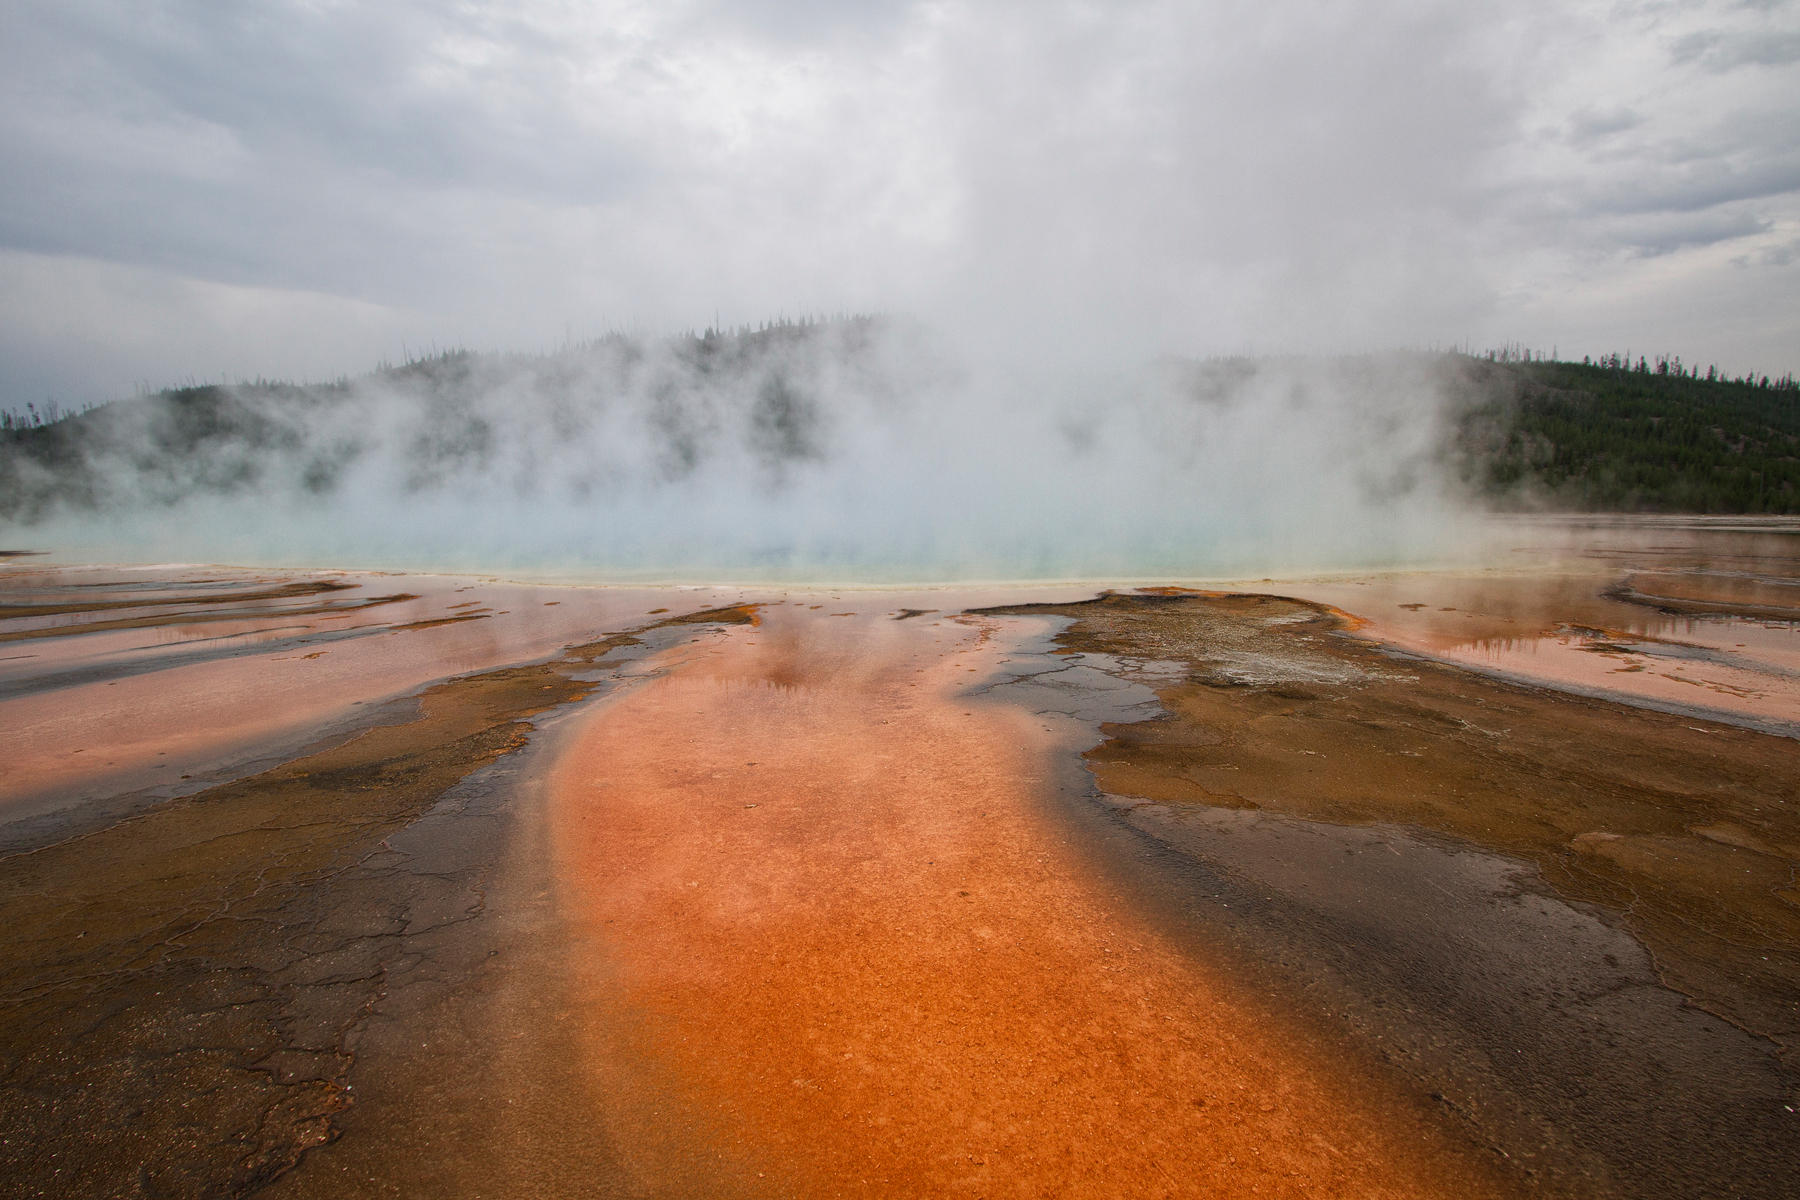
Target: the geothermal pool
pixel 1459 882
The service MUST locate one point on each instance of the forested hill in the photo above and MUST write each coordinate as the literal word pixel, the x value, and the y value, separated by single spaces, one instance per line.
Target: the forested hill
pixel 761 405
pixel 1618 436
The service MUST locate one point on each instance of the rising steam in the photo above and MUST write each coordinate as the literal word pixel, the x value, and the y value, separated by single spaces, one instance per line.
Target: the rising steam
pixel 842 450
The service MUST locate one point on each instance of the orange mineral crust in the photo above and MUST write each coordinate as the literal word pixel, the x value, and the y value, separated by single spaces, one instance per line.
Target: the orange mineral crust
pixel 842 941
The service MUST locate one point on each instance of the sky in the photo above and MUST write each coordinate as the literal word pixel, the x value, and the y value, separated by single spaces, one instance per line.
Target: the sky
pixel 301 189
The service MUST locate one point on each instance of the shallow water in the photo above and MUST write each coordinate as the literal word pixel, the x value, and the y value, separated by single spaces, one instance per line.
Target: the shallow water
pixel 166 699
pixel 1694 616
pixel 732 913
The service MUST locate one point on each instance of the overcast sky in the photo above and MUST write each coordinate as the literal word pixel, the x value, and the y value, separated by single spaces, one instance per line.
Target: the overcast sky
pixel 301 188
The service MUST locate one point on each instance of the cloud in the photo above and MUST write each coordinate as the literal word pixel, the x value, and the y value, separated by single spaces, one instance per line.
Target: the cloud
pixel 1663 233
pixel 805 22
pixel 1592 125
pixel 1062 179
pixel 1727 52
pixel 1705 182
pixel 1784 255
pixel 85 331
pixel 335 148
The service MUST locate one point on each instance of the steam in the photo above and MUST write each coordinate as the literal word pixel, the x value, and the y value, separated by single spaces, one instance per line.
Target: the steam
pixel 857 449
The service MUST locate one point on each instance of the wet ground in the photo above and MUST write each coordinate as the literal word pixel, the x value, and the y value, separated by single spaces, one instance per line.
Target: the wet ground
pixel 1698 615
pixel 124 686
pixel 1570 922
pixel 184 989
pixel 857 956
pixel 477 888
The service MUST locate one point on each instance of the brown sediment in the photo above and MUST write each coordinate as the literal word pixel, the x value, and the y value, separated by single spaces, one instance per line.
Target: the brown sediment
pixel 1349 621
pixel 122 716
pixel 287 591
pixel 844 950
pixel 438 621
pixel 1711 594
pixel 1686 830
pixel 180 990
pixel 182 618
pixel 832 938
pixel 734 614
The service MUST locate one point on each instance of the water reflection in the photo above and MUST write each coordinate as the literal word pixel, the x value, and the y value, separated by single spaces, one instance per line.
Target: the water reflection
pixel 1689 613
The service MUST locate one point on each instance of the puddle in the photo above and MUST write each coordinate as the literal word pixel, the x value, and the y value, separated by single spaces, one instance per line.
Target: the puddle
pixel 1702 619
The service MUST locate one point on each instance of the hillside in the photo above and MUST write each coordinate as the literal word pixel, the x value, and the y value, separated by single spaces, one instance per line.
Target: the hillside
pixel 436 422
pixel 1520 434
pixel 1630 439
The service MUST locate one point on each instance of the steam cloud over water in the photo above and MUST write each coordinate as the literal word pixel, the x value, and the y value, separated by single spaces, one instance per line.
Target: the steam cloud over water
pixel 858 449
pixel 1066 194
